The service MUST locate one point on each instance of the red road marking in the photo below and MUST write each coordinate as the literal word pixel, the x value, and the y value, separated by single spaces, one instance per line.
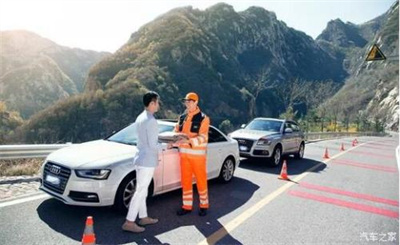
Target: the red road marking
pixel 372 154
pixel 363 165
pixel 352 205
pixel 379 143
pixel 379 148
pixel 349 193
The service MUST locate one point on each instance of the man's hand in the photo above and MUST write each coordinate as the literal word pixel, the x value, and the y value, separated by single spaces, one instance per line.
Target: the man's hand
pixel 182 141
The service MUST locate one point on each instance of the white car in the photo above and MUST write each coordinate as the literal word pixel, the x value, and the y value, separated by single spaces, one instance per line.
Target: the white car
pixel 102 173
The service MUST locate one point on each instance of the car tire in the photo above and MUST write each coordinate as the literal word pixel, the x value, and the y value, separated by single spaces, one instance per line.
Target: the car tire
pixel 300 153
pixel 125 192
pixel 227 170
pixel 276 158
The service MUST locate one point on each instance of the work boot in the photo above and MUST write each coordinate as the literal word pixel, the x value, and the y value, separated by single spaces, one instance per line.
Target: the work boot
pixel 132 227
pixel 183 212
pixel 147 221
pixel 203 212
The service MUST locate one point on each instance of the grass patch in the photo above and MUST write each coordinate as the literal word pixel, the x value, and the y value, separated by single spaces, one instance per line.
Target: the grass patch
pixel 17 167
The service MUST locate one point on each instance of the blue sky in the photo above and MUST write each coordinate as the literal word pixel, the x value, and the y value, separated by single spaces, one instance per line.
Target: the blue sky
pixel 105 25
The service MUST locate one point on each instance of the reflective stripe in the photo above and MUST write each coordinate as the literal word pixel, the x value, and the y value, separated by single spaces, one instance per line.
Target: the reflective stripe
pixel 188 203
pixel 193 152
pixel 204 202
pixel 187 192
pixel 187 197
pixel 202 192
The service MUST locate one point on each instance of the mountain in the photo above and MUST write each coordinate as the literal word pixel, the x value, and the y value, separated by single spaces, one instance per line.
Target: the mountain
pixel 342 34
pixel 242 64
pixel 371 91
pixel 36 72
pixel 218 53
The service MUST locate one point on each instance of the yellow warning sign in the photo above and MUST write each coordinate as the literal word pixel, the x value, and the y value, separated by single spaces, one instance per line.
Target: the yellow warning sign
pixel 375 54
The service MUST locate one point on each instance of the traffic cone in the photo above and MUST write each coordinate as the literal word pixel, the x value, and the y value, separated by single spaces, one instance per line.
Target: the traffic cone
pixel 326 155
pixel 284 175
pixel 88 237
pixel 342 148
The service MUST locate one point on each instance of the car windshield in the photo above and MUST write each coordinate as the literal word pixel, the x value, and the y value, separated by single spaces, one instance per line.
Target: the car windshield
pixel 265 125
pixel 128 135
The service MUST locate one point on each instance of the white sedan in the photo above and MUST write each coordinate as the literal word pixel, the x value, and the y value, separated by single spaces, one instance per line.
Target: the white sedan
pixel 101 172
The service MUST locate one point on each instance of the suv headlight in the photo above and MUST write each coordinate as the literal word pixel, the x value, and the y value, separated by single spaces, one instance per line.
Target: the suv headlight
pixel 93 173
pixel 264 141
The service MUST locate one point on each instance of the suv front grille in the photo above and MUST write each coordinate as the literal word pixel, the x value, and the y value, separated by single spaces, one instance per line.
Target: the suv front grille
pixel 245 142
pixel 56 171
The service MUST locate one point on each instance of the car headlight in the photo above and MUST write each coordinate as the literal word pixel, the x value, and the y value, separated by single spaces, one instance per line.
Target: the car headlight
pixel 264 141
pixel 93 173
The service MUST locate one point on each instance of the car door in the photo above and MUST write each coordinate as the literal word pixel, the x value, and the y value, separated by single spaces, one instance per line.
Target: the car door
pixel 298 136
pixel 294 137
pixel 287 139
pixel 216 148
pixel 171 169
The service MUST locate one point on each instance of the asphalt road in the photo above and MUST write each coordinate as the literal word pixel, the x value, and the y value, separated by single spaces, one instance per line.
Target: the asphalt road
pixel 350 198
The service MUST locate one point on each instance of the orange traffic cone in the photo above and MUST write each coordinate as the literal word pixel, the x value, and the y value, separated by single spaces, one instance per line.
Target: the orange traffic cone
pixel 342 148
pixel 326 155
pixel 284 175
pixel 88 234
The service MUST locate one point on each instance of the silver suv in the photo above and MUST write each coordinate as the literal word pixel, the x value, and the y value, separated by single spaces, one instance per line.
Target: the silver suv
pixel 270 138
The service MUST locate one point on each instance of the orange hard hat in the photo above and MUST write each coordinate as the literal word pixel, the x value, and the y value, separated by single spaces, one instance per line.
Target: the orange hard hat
pixel 191 96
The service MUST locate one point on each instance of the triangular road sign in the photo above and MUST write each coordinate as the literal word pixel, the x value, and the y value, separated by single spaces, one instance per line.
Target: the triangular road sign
pixel 375 54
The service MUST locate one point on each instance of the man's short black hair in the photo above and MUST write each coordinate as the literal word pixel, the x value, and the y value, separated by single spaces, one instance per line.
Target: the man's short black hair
pixel 149 97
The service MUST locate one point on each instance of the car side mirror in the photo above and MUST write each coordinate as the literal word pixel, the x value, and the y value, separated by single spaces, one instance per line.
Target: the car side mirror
pixel 288 130
pixel 243 126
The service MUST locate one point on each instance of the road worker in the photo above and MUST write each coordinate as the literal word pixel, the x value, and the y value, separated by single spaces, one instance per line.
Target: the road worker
pixel 193 153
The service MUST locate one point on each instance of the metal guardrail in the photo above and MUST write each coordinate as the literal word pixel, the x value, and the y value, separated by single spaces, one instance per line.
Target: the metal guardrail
pixel 29 151
pixel 315 136
pixel 33 151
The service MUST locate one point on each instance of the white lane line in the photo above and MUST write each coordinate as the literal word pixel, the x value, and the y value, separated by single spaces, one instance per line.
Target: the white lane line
pixel 22 200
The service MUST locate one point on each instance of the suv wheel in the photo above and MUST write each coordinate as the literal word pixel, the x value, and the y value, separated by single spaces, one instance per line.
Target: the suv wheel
pixel 276 156
pixel 227 170
pixel 300 153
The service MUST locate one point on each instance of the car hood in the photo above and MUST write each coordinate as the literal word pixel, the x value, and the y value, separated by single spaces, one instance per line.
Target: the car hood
pixel 251 134
pixel 93 154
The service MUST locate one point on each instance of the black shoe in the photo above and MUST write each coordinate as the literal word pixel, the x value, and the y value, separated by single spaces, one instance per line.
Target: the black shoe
pixel 203 212
pixel 182 211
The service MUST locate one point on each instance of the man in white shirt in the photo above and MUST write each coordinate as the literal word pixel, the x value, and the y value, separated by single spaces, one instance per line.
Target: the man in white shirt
pixel 146 161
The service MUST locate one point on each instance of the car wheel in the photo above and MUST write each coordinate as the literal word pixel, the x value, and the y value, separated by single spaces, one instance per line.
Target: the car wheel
pixel 300 153
pixel 125 192
pixel 227 170
pixel 276 157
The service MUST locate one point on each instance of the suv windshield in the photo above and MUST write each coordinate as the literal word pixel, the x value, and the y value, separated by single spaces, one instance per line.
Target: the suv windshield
pixel 128 135
pixel 265 125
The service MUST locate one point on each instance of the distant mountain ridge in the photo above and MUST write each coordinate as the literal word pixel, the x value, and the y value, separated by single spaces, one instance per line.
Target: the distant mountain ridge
pixel 224 56
pixel 217 53
pixel 371 91
pixel 36 72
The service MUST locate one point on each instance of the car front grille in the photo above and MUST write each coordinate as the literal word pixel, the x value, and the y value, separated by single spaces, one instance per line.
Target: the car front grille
pixel 56 171
pixel 245 142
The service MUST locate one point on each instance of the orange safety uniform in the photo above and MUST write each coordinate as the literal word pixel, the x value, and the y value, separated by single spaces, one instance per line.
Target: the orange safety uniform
pixel 193 156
